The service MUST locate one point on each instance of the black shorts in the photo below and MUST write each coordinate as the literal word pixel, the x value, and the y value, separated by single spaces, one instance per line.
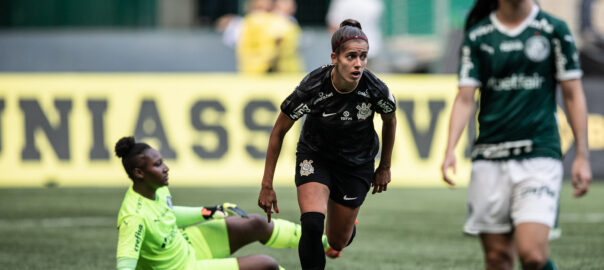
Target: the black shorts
pixel 348 185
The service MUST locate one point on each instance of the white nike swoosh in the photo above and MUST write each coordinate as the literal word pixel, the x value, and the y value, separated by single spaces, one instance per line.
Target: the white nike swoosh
pixel 346 198
pixel 328 114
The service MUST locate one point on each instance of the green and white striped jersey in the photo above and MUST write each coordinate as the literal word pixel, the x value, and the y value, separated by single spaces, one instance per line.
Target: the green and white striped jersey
pixel 517 71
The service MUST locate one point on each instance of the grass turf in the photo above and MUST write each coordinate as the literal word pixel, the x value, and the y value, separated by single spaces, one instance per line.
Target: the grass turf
pixel 404 228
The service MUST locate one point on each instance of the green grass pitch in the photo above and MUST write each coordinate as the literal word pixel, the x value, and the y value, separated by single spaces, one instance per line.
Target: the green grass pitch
pixel 404 228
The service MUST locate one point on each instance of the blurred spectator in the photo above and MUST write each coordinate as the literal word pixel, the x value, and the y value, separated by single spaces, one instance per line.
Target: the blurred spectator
pixel 368 13
pixel 269 40
pixel 588 32
pixel 230 24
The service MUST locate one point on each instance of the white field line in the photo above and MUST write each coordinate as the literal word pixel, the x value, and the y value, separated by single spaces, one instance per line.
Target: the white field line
pixel 60 222
pixel 70 222
pixel 582 218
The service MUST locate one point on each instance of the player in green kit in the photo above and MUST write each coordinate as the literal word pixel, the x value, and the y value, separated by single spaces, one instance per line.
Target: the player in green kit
pixel 154 234
pixel 516 55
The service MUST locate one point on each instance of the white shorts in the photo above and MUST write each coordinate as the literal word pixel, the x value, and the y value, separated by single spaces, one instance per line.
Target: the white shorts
pixel 503 194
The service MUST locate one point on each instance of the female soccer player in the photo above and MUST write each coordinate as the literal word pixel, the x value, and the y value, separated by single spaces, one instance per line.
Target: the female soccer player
pixel 517 54
pixel 154 234
pixel 337 145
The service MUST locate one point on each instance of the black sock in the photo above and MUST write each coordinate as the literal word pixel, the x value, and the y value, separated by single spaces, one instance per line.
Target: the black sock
pixel 310 248
pixel 354 232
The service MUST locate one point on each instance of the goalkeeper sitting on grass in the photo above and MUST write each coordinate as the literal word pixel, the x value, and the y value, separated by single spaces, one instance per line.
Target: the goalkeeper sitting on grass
pixel 154 234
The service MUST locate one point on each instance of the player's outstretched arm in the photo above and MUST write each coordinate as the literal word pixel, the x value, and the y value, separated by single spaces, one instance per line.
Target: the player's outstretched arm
pixel 576 107
pixel 186 215
pixel 267 200
pixel 463 108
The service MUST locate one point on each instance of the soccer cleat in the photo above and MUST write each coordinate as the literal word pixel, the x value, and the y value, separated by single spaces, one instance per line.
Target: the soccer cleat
pixel 330 252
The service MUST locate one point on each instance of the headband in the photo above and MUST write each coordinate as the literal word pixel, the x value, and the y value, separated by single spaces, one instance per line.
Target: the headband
pixel 333 49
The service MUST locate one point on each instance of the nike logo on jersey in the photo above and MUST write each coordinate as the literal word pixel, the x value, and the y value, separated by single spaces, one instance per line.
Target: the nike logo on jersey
pixel 346 198
pixel 328 114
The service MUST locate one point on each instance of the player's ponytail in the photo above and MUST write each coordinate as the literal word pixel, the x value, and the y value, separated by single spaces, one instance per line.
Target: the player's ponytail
pixel 349 29
pixel 481 9
pixel 128 149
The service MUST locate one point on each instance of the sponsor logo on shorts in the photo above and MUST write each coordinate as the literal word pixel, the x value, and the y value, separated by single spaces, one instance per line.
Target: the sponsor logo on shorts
pixel 306 168
pixel 328 114
pixel 364 111
pixel 346 198
pixel 538 191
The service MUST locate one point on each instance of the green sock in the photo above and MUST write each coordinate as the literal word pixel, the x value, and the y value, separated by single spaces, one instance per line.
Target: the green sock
pixel 286 234
pixel 325 244
pixel 550 265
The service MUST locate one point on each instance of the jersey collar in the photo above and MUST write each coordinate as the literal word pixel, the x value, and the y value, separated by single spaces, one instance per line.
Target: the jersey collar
pixel 520 28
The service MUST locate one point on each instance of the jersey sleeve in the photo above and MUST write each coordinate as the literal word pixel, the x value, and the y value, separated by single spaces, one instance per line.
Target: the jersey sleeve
pixel 469 64
pixel 385 101
pixel 131 232
pixel 298 103
pixel 565 51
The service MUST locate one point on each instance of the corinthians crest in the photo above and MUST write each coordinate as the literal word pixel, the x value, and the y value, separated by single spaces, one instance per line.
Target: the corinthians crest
pixel 306 168
pixel 364 111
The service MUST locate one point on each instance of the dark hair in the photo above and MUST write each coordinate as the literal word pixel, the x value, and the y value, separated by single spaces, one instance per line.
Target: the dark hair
pixel 481 9
pixel 128 149
pixel 349 29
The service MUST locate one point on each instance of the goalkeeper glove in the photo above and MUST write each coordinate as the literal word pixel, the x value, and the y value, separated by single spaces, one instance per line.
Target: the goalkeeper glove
pixel 222 211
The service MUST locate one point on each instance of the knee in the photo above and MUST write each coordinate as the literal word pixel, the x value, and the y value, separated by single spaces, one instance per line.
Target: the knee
pixel 258 222
pixel 499 259
pixel 263 262
pixel 534 259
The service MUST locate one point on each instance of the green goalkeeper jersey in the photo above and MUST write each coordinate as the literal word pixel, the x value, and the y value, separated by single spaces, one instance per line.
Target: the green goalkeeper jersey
pixel 517 71
pixel 148 232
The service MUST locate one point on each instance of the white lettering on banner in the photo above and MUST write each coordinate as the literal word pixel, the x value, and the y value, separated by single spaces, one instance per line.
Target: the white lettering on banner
pixel 60 128
pixel 516 82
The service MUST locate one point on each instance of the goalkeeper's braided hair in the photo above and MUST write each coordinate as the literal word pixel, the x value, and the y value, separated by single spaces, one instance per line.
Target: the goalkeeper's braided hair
pixel 129 150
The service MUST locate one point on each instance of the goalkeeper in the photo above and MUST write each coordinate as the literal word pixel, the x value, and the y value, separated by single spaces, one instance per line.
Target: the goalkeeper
pixel 154 234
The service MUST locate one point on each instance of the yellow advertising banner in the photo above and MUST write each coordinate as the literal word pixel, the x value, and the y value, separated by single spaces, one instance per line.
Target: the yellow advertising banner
pixel 212 129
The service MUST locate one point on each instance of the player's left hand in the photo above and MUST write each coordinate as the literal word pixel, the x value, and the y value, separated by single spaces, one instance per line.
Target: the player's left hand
pixel 581 176
pixel 381 179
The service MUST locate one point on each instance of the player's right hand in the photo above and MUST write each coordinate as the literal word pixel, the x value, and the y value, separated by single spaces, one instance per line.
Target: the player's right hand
pixel 267 200
pixel 449 162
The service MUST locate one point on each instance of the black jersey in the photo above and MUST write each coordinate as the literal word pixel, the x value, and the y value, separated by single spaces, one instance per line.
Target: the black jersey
pixel 339 127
